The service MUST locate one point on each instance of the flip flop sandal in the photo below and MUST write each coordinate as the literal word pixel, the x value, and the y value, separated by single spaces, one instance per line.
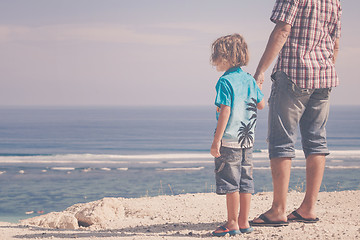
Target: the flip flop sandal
pixel 223 231
pixel 268 223
pixel 299 218
pixel 246 230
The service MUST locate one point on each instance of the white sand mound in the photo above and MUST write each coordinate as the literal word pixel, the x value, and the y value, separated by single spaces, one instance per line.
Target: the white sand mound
pixel 98 212
pixel 112 213
pixel 84 214
pixel 61 220
pixel 188 216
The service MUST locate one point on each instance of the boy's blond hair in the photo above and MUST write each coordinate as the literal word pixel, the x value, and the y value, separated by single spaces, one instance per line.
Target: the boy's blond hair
pixel 231 48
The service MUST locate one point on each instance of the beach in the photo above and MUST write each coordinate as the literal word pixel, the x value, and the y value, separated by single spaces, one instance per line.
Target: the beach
pixel 146 173
pixel 185 216
pixel 53 158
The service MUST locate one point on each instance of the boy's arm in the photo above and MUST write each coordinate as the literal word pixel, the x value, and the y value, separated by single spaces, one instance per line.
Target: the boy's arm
pixel 261 104
pixel 220 128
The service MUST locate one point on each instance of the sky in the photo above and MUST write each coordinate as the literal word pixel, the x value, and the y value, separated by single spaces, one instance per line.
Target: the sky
pixel 139 52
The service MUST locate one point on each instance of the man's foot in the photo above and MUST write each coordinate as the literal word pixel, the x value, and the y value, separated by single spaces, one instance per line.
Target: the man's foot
pixel 296 217
pixel 270 218
pixel 262 220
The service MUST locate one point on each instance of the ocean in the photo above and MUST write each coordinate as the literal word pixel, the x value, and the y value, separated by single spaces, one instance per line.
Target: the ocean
pixel 54 157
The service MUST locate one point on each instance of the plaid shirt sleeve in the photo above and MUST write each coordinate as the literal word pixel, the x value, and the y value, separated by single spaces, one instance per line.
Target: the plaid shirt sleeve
pixel 337 30
pixel 285 11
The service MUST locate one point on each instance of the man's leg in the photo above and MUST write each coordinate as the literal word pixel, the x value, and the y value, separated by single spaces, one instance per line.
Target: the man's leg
pixel 315 165
pixel 313 132
pixel 280 170
pixel 287 104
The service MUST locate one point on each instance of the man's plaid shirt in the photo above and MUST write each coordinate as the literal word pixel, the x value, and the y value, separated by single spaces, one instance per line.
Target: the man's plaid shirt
pixel 307 54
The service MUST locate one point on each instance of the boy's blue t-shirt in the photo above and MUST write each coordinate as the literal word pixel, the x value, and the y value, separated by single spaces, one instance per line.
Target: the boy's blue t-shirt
pixel 239 90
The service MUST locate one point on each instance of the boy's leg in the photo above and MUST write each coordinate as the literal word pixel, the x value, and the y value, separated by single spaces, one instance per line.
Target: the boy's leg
pixel 243 219
pixel 246 187
pixel 227 182
pixel 232 203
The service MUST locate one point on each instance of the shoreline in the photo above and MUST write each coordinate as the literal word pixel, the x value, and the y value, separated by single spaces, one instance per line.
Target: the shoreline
pixel 187 216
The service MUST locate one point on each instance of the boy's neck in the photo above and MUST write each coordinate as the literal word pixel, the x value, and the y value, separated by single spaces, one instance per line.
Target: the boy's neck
pixel 231 69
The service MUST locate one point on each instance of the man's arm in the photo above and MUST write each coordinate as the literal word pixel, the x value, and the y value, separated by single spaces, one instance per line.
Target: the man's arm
pixel 275 43
pixel 336 49
pixel 220 129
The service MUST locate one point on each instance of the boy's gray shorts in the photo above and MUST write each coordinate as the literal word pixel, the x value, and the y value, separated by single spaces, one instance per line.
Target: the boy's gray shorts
pixel 290 107
pixel 234 171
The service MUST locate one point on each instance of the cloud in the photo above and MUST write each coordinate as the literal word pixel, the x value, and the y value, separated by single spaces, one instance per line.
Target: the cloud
pixel 206 28
pixel 89 33
pixel 173 34
pixel 256 32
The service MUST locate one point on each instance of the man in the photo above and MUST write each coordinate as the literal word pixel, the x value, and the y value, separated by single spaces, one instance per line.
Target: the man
pixel 306 40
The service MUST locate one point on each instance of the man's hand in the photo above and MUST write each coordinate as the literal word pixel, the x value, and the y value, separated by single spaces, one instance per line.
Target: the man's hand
pixel 259 77
pixel 336 50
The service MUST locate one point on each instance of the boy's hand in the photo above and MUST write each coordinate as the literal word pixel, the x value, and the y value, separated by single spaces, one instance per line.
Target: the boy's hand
pixel 215 149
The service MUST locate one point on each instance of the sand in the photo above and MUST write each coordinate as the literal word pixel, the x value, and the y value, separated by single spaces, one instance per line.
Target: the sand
pixel 188 216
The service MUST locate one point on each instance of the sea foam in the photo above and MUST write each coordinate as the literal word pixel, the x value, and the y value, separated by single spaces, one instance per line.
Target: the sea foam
pixel 337 157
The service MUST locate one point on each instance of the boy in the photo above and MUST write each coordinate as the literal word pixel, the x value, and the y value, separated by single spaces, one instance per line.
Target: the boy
pixel 237 100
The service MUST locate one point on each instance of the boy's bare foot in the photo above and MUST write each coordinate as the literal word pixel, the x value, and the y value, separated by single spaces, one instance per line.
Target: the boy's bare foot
pixel 231 226
pixel 244 225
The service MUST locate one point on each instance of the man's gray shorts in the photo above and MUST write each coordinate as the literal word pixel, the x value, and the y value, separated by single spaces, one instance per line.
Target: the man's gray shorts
pixel 290 107
pixel 234 171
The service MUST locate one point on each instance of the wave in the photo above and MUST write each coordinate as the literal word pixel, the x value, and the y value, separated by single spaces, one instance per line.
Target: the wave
pixel 259 156
pixel 303 167
pixel 181 169
pixel 69 169
pixel 343 167
pixel 91 158
pixel 105 169
pixel 268 168
pixel 63 168
pixel 122 169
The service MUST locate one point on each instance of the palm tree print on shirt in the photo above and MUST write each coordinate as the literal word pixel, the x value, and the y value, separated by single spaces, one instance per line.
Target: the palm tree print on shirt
pixel 245 132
